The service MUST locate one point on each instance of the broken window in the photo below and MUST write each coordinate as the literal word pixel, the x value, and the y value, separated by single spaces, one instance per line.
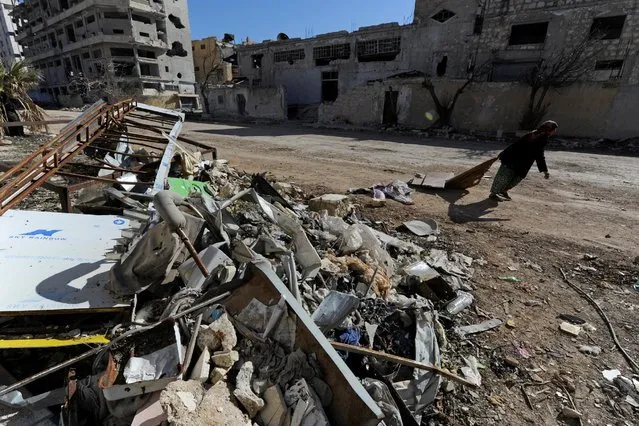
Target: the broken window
pixel 140 18
pixel 166 69
pixel 528 34
pixel 479 24
pixel 116 15
pixel 76 63
pixel 58 63
pixel 177 50
pixel 441 66
pixel 324 54
pixel 179 75
pixel 256 60
pixel 146 54
pixel 90 19
pixel 176 21
pixel 385 49
pixel 289 56
pixel 149 70
pixel 70 34
pixel 86 55
pixel 123 69
pixel 117 31
pixel 79 24
pixel 609 69
pixel 442 16
pixel 330 83
pixel 608 28
pixel 143 34
pixel 120 51
pixel 510 71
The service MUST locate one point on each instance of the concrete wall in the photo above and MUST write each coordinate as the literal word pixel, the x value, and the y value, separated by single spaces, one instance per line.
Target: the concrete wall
pixel 586 110
pixel 261 102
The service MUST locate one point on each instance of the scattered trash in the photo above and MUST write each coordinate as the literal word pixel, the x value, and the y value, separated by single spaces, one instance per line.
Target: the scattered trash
pixel 422 228
pixel 569 328
pixel 590 350
pixel 463 301
pixel 479 328
pixel 571 319
pixel 611 375
pixel 510 279
pixel 471 372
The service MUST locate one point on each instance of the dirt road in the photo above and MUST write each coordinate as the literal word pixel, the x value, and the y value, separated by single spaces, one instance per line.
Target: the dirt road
pixel 591 198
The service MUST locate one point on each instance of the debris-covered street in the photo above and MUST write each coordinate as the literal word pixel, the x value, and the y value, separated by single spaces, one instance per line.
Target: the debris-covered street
pixel 258 274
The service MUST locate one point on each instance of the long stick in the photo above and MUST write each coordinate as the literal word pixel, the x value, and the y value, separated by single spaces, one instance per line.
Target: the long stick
pixel 403 361
pixel 603 315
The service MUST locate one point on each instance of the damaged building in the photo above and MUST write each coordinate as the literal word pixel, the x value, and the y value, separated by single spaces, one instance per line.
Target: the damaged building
pixel 142 45
pixel 10 50
pixel 375 75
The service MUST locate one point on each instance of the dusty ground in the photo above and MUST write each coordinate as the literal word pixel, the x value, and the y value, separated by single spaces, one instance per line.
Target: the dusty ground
pixel 588 207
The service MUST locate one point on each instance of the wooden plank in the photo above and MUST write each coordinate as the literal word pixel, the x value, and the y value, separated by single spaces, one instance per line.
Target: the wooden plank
pixel 403 361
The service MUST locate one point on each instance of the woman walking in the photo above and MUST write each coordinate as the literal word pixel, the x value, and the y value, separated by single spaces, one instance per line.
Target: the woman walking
pixel 518 158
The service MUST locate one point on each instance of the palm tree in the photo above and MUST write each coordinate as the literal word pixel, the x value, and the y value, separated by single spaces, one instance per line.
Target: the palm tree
pixel 15 82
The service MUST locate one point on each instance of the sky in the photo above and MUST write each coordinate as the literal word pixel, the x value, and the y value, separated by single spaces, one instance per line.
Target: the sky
pixel 264 19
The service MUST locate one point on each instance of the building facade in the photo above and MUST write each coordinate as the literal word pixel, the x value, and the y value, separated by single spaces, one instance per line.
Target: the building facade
pixel 142 44
pixel 10 50
pixel 211 60
pixel 371 76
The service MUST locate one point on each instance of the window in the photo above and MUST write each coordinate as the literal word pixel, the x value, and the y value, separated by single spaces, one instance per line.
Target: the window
pixel 119 51
pixel 330 83
pixel 608 69
pixel 256 60
pixel 511 71
pixel 608 28
pixel 90 19
pixel 58 63
pixel 146 54
pixel 143 34
pixel 528 34
pixel 479 25
pixel 324 54
pixel 166 69
pixel 117 31
pixel 116 15
pixel 289 56
pixel 97 54
pixel 140 18
pixel 79 24
pixel 202 46
pixel 442 16
pixel 86 55
pixel 385 49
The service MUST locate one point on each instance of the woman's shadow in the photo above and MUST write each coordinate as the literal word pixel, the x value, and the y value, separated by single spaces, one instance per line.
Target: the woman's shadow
pixel 464 213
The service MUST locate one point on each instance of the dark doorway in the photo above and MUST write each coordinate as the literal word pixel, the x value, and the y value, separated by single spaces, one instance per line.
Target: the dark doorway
pixel 241 104
pixel 441 66
pixel 390 107
pixel 330 83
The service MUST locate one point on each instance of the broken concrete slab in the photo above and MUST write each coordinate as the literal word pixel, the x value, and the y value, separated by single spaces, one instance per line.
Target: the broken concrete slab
pixel 275 411
pixel 570 329
pixel 225 359
pixel 335 204
pixel 220 333
pixel 243 392
pixel 202 369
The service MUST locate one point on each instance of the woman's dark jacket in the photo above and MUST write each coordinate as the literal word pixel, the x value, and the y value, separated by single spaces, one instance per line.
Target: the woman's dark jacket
pixel 521 155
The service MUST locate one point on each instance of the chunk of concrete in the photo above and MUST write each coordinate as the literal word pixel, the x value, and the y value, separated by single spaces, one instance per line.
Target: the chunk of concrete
pixel 335 204
pixel 220 333
pixel 217 374
pixel 275 411
pixel 243 392
pixel 225 359
pixel 202 368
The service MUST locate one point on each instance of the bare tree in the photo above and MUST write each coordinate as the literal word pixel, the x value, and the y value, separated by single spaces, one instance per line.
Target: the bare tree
pixel 562 69
pixel 111 81
pixel 445 102
pixel 211 77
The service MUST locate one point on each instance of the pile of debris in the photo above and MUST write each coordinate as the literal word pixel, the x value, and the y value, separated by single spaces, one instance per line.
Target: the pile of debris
pixel 224 298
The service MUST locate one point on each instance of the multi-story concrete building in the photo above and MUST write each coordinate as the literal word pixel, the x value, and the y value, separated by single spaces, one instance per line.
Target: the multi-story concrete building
pixel 211 60
pixel 10 50
pixel 143 43
pixel 372 75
